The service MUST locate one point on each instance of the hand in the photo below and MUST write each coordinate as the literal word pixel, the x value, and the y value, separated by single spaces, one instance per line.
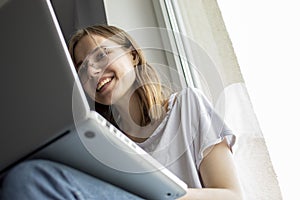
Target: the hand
pixel 211 194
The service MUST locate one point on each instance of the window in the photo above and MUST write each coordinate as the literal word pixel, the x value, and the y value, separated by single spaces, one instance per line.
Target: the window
pixel 190 39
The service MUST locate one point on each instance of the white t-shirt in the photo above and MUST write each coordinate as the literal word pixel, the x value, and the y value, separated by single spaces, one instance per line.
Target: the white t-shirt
pixel 189 128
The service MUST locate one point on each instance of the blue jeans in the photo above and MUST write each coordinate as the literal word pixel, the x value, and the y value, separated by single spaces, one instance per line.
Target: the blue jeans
pixel 41 179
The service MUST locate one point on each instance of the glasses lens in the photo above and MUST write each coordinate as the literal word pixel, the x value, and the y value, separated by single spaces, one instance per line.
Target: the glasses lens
pixel 97 60
pixel 82 73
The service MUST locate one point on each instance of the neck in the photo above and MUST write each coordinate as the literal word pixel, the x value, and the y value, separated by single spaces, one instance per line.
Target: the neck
pixel 130 116
pixel 128 109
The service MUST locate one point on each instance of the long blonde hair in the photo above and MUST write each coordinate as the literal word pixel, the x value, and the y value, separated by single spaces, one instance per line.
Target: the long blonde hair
pixel 153 97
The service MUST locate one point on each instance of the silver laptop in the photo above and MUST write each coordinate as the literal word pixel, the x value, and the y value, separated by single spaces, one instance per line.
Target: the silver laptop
pixel 45 114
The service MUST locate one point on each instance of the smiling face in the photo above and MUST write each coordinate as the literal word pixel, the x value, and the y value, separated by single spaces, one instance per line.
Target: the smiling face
pixel 108 82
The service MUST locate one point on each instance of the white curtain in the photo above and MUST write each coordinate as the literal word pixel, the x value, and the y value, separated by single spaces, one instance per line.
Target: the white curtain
pixel 220 78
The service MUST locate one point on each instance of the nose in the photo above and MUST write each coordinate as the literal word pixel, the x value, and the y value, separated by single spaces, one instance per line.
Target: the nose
pixel 94 71
pixel 96 63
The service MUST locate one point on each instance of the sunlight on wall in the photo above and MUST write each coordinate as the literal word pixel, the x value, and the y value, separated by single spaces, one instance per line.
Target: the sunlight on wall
pixel 265 36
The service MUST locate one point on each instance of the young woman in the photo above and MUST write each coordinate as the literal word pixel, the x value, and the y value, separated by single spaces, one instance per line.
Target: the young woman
pixel 181 130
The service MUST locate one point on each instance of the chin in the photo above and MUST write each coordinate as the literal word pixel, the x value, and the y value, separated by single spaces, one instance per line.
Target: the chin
pixel 104 100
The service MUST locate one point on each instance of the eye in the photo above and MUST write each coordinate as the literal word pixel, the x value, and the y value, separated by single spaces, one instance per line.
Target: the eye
pixel 100 56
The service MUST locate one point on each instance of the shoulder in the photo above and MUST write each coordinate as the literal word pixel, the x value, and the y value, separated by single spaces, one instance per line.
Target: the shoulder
pixel 193 97
pixel 189 103
pixel 191 92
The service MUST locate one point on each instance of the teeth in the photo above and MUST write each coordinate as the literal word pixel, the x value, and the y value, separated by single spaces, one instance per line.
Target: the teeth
pixel 103 82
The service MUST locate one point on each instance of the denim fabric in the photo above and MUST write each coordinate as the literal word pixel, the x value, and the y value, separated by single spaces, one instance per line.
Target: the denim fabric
pixel 41 179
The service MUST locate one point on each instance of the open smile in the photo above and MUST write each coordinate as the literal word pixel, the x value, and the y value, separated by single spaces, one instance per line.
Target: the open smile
pixel 103 83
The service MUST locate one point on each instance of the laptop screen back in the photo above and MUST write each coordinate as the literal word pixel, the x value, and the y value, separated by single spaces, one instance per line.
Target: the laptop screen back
pixel 37 81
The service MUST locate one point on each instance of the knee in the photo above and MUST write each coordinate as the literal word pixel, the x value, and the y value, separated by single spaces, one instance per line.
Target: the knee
pixel 28 172
pixel 34 179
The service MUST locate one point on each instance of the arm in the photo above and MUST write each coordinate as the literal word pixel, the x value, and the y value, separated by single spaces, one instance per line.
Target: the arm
pixel 218 175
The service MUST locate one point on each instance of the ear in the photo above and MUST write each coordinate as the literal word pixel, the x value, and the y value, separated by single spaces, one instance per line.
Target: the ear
pixel 135 56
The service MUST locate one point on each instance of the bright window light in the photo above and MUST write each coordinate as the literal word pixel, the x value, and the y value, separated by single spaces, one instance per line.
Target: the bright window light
pixel 266 39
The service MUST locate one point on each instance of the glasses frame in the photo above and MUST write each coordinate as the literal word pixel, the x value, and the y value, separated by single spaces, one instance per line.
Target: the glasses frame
pixel 82 69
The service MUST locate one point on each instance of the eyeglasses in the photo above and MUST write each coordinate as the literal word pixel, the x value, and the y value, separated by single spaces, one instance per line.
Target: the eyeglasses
pixel 97 59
